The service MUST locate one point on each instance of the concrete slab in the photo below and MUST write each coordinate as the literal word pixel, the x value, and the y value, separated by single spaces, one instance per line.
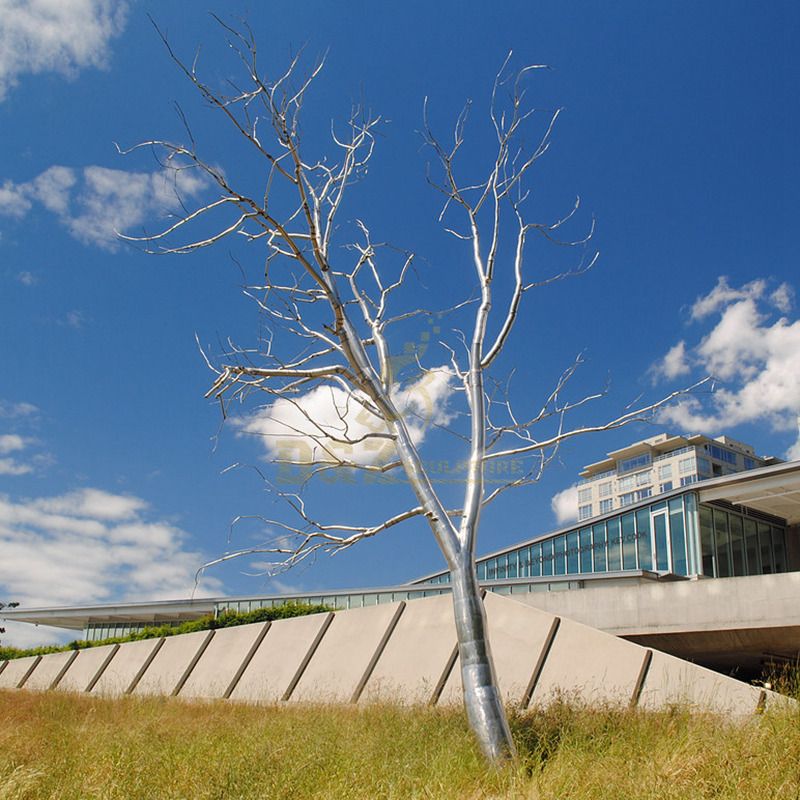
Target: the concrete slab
pixel 128 662
pixel 589 666
pixel 671 681
pixel 172 664
pixel 278 658
pixel 49 669
pixel 346 650
pixel 517 635
pixel 83 670
pixel 416 654
pixel 17 671
pixel 222 659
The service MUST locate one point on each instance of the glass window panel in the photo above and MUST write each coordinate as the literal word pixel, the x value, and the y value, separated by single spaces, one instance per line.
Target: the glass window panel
pixel 614 550
pixel 585 544
pixel 547 557
pixel 513 561
pixel 737 544
pixel 628 542
pixel 524 559
pixel 752 548
pixel 660 531
pixel 677 535
pixel 559 555
pixel 572 553
pixel 723 551
pixel 779 549
pixel 599 546
pixel 643 532
pixel 707 542
pixel 765 540
pixel 502 567
pixel 536 560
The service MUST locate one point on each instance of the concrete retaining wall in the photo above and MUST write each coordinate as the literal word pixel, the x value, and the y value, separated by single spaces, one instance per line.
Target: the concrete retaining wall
pixel 399 652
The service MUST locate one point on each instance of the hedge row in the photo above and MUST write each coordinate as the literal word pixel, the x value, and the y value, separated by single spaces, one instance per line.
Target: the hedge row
pixel 227 619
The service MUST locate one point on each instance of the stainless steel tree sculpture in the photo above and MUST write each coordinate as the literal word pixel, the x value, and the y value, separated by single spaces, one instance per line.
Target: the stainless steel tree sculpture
pixel 328 305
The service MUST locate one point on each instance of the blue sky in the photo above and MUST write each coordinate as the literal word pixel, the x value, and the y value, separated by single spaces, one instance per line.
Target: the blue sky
pixel 678 133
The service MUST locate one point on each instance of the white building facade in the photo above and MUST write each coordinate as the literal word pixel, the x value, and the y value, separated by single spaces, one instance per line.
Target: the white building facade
pixel 657 465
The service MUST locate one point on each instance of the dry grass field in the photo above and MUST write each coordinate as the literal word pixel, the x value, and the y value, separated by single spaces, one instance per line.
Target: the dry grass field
pixel 75 748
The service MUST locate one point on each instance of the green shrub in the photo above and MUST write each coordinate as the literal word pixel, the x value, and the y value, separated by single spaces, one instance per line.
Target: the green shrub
pixel 227 619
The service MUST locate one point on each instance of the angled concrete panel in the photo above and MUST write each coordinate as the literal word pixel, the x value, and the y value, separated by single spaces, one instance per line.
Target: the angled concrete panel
pixel 49 669
pixel 221 660
pixel 517 636
pixel 590 666
pixel 340 662
pixel 415 656
pixel 279 657
pixel 82 671
pixel 172 664
pixel 671 681
pixel 125 666
pixel 17 671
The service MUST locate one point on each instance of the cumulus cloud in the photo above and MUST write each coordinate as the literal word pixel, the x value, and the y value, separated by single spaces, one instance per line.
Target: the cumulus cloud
pixel 565 505
pixel 723 294
pixel 20 455
pixel 328 424
pixel 96 204
pixel 92 546
pixel 10 442
pixel 674 364
pixel 755 356
pixel 60 36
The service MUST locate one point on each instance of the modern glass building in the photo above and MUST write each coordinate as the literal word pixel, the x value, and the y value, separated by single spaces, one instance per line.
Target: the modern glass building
pixel 639 571
pixel 675 534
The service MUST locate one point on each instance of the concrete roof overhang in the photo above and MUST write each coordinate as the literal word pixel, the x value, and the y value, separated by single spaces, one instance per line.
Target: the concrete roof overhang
pixel 77 617
pixel 772 490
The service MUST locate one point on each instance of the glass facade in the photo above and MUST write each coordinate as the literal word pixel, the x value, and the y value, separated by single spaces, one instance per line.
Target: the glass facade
pixel 666 536
pixel 736 544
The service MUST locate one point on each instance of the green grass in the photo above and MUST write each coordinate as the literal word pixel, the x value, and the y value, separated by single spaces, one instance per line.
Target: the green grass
pixel 69 747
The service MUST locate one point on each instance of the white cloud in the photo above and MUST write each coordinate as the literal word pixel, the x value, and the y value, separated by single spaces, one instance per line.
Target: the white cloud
pixel 327 424
pixel 26 278
pixel 93 503
pixel 9 466
pixel 60 36
pixel 11 442
pixel 674 364
pixel 14 443
pixel 92 546
pixel 13 200
pixel 18 634
pixel 9 410
pixel 565 505
pixel 74 319
pixel 756 356
pixel 52 188
pixel 723 293
pixel 96 204
pixel 783 298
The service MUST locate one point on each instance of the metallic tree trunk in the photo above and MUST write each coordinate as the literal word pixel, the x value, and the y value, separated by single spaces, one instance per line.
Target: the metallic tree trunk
pixel 485 711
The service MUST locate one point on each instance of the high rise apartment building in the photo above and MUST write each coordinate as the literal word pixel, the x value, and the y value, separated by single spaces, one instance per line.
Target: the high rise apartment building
pixel 659 464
